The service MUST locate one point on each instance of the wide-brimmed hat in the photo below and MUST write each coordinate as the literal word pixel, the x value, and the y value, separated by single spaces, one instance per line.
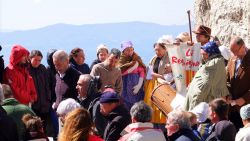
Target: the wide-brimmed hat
pixel 203 30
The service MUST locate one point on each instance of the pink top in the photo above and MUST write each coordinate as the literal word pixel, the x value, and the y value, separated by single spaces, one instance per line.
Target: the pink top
pixel 138 70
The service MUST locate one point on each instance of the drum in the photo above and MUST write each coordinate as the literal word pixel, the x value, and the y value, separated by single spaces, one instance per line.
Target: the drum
pixel 162 97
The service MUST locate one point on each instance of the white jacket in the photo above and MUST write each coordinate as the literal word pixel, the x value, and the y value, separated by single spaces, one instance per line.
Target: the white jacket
pixel 142 132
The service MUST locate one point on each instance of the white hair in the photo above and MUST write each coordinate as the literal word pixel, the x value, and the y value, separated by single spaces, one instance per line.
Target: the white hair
pixel 180 117
pixel 67 106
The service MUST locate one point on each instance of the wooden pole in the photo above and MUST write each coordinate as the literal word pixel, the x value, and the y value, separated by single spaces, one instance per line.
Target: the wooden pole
pixel 190 30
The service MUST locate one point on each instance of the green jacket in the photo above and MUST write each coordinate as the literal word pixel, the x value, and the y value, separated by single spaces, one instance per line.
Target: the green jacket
pixel 16 110
pixel 208 83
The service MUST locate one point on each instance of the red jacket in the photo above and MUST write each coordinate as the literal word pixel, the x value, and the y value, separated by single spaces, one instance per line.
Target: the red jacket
pixel 94 138
pixel 21 83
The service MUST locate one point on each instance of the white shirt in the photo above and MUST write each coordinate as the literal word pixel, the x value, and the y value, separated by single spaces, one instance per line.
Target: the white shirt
pixel 243 134
pixel 237 65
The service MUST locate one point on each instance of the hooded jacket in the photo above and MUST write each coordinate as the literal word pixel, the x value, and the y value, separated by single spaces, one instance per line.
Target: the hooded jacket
pixel 208 83
pixel 18 77
pixel 52 74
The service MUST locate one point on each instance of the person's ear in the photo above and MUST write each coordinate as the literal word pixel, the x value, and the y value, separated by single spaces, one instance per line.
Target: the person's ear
pixel 176 127
pixel 214 115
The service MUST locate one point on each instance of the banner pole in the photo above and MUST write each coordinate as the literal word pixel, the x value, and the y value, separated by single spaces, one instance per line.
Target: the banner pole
pixel 190 30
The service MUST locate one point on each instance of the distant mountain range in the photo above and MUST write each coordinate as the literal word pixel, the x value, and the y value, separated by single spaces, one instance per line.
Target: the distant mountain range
pixel 66 37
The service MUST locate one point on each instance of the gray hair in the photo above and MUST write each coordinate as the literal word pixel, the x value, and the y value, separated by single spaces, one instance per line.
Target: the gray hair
pixel 141 112
pixel 85 77
pixel 60 55
pixel 181 118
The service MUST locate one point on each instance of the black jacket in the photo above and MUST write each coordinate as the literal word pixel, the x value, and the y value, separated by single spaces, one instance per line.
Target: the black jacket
pixel 85 103
pixel 98 119
pixel 71 77
pixel 1 69
pixel 222 131
pixel 51 74
pixel 84 68
pixel 8 127
pixel 118 119
pixel 41 81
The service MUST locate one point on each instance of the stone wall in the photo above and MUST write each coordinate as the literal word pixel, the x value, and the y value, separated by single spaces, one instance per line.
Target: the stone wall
pixel 225 17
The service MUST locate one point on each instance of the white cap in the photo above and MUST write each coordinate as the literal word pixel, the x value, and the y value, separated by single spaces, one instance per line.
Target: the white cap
pixel 184 36
pixel 166 39
pixel 201 111
pixel 101 46
pixel 225 52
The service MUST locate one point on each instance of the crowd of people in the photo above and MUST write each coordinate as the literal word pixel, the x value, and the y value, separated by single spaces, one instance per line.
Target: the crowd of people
pixel 111 100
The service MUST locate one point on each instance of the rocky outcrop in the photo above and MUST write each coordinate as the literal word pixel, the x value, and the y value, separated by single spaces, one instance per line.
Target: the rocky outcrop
pixel 225 17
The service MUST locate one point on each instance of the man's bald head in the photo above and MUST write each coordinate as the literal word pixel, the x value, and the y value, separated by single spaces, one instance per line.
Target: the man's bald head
pixel 237 40
pixel 237 46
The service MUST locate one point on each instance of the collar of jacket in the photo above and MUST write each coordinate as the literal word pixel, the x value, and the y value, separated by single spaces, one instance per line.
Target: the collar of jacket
pixel 212 57
pixel 115 112
pixel 10 101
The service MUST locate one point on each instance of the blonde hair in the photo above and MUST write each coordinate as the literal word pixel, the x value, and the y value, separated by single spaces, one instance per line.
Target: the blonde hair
pixel 77 126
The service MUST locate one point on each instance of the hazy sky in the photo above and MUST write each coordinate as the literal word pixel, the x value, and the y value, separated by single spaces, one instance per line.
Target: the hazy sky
pixel 31 14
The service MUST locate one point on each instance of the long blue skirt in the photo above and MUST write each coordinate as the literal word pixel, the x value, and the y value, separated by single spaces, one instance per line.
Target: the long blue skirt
pixel 129 81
